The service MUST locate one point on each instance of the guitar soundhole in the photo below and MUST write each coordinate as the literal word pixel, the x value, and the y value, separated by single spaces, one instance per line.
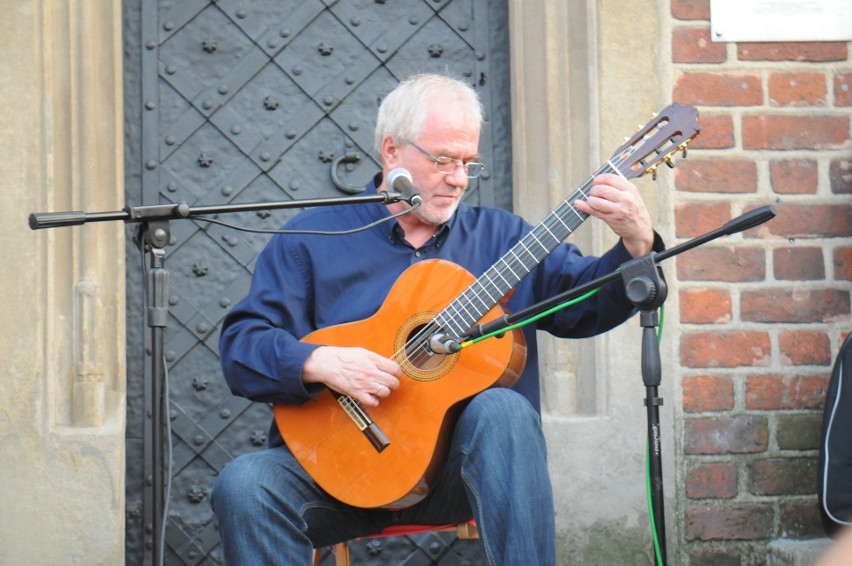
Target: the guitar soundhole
pixel 419 354
pixel 420 362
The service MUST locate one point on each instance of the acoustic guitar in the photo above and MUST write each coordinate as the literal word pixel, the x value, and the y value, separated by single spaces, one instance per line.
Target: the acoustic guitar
pixel 391 455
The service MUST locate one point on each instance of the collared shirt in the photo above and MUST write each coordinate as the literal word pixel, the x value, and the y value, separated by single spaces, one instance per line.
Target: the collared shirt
pixel 305 282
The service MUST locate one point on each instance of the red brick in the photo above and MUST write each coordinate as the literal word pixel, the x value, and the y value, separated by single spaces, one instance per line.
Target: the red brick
pixel 843 264
pixel 773 392
pixel 716 176
pixel 799 264
pixel 843 89
pixel 703 393
pixel 691 9
pixel 804 348
pixel 783 476
pixel 801 519
pixel 786 132
pixel 708 263
pixel 794 176
pixel 798 51
pixel 724 350
pixel 840 176
pixel 808 221
pixel 711 481
pixel 795 305
pixel 745 434
pixel 717 132
pixel 742 521
pixel 693 45
pixel 797 89
pixel 705 306
pixel 718 89
pixel 695 218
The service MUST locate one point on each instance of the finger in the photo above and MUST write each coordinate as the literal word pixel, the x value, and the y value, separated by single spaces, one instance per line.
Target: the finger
pixel 382 391
pixel 386 365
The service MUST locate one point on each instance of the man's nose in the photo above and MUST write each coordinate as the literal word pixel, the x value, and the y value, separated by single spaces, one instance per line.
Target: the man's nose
pixel 458 176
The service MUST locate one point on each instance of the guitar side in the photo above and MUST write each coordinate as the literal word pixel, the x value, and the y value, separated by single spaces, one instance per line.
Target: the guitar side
pixel 417 417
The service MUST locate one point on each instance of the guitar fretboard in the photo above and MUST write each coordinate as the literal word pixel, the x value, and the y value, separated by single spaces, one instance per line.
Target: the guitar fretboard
pixel 484 293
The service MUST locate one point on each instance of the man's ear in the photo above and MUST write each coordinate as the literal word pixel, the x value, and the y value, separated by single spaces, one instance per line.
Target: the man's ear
pixel 390 151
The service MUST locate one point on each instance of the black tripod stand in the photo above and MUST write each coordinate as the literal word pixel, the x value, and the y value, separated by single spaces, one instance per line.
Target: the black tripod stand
pixel 646 288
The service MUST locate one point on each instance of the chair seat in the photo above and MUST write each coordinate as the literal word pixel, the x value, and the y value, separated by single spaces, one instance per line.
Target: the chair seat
pixel 466 530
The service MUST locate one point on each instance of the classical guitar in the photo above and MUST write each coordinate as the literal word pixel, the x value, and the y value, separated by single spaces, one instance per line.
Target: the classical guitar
pixel 390 456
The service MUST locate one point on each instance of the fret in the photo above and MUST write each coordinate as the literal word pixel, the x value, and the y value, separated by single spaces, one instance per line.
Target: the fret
pixel 478 306
pixel 493 284
pixel 532 255
pixel 484 305
pixel 570 231
pixel 466 312
pixel 512 251
pixel 558 240
pixel 509 267
pixel 546 251
pixel 459 321
pixel 456 327
pixel 500 275
pixel 575 211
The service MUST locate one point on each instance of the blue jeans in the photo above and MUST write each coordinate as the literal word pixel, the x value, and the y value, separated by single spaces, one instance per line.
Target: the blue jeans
pixel 270 511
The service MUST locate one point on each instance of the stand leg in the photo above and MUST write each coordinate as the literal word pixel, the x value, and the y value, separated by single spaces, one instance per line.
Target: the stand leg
pixel 156 320
pixel 658 522
pixel 651 376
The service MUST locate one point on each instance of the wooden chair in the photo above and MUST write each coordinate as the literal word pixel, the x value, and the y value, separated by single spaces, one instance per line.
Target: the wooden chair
pixel 465 530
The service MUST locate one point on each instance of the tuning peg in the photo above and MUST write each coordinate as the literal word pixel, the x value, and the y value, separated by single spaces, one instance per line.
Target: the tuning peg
pixel 682 147
pixel 653 170
pixel 668 161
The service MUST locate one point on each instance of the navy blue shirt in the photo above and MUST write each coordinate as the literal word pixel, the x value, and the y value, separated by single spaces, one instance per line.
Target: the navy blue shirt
pixel 305 282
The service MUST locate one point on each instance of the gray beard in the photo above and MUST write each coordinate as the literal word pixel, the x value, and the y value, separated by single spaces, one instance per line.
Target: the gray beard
pixel 435 220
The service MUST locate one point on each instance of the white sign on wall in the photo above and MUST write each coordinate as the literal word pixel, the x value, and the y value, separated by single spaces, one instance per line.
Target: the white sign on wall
pixel 781 20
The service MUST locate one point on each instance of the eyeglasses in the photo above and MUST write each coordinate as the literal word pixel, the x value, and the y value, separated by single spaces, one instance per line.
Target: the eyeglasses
pixel 445 165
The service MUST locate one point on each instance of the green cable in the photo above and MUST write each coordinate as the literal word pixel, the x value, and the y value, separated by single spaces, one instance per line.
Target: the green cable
pixel 654 534
pixel 529 320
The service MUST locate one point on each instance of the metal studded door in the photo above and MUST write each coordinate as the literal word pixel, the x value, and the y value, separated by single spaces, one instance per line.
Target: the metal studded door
pixel 235 101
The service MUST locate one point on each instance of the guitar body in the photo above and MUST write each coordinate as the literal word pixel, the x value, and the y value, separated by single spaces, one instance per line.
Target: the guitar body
pixel 417 418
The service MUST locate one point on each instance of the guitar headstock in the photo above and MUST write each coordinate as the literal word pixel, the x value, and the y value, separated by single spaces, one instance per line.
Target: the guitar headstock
pixel 657 141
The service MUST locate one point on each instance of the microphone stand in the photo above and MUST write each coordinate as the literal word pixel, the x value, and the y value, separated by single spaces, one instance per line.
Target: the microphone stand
pixel 152 237
pixel 646 289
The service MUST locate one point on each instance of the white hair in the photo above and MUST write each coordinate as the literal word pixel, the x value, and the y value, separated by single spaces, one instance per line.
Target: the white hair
pixel 403 112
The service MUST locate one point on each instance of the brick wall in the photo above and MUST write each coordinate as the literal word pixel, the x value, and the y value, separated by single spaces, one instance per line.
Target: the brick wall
pixel 762 314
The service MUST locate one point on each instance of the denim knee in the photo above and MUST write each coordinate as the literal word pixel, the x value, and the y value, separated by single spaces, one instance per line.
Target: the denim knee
pixel 504 407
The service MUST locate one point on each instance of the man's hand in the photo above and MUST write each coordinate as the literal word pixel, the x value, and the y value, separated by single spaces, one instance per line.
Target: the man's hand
pixel 357 372
pixel 617 201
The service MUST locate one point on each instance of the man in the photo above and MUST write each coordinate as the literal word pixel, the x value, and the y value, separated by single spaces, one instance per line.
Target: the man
pixel 270 510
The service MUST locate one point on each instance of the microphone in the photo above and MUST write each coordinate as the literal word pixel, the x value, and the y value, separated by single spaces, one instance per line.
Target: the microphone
pixel 399 180
pixel 440 343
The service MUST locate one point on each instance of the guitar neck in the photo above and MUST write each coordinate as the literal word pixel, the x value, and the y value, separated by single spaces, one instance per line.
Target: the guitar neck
pixel 510 269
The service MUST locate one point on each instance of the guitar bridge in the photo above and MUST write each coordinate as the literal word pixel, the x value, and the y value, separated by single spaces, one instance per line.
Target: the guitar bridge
pixel 363 421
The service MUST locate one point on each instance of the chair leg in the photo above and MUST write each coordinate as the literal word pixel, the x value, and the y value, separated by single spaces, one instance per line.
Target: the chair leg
pixel 341 554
